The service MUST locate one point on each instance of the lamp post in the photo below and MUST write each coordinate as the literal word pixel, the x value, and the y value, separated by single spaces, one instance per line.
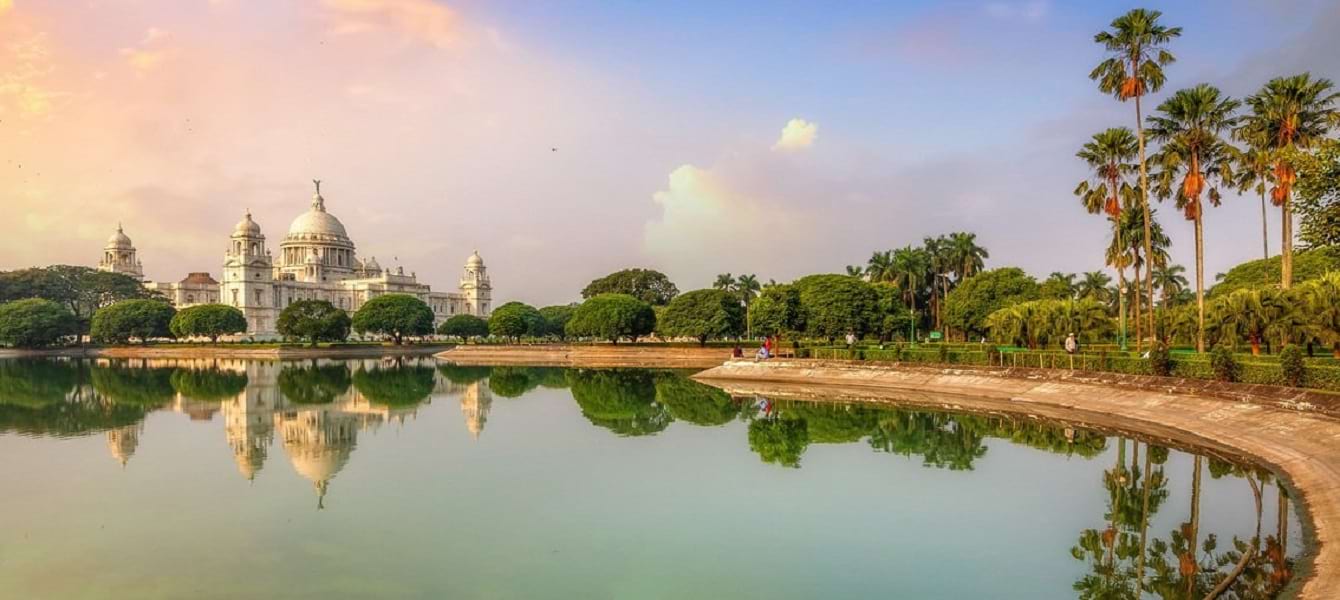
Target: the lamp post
pixel 1121 309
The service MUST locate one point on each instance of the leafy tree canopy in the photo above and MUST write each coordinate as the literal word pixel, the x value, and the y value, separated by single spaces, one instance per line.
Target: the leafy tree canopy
pixel 208 320
pixel 1307 265
pixel 612 316
pixel 313 321
pixel 555 319
pixel 777 311
pixel 127 319
pixel 649 286
pixel 82 290
pixel 836 304
pixel 515 319
pixel 396 315
pixel 622 401
pixel 703 314
pixel 1318 201
pixel 968 305
pixel 464 326
pixel 35 322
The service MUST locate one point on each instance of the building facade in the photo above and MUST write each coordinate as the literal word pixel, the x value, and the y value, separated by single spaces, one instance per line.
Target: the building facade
pixel 317 261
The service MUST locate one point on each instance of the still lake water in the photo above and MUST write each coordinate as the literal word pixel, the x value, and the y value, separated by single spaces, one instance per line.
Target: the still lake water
pixel 410 479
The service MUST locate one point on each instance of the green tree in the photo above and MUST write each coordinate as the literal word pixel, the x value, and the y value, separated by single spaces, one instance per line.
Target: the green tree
pixel 1170 281
pixel 969 258
pixel 400 385
pixel 1289 115
pixel 464 327
pixel 649 286
pixel 779 441
pixel 515 319
pixel 1308 264
pixel 139 319
pixel 396 315
pixel 911 265
pixel 208 320
pixel 969 304
pixel 1256 315
pixel 1193 162
pixel 1318 203
pixel 777 311
pixel 1059 286
pixel 314 321
pixel 703 314
pixel 1093 285
pixel 1137 53
pixel 556 319
pixel 1322 297
pixel 724 281
pixel 1255 171
pixel 612 316
pixel 35 322
pixel 80 289
pixel 833 305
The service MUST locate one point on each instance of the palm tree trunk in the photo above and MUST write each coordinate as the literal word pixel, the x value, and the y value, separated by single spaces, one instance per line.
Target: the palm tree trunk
pixel 1144 526
pixel 1144 203
pixel 1265 235
pixel 1139 338
pixel 1286 255
pixel 1192 542
pixel 1200 285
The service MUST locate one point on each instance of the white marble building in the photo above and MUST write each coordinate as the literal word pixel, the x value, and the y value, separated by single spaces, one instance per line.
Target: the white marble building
pixel 317 261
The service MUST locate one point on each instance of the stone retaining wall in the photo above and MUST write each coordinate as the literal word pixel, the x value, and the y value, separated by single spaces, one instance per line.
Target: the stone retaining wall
pixel 594 356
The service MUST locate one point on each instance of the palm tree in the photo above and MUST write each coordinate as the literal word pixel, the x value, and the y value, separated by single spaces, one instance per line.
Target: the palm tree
pixel 1290 114
pixel 1170 282
pixel 1134 67
pixel 1190 124
pixel 1093 284
pixel 725 281
pixel 968 257
pixel 1109 154
pixel 1323 304
pixel 880 267
pixel 940 259
pixel 1255 171
pixel 747 287
pixel 855 271
pixel 1060 285
pixel 910 266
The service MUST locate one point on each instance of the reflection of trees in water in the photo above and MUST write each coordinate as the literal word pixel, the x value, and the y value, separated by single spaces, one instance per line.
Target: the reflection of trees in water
pixel 144 386
pixel 56 398
pixel 1126 562
pixel 314 383
pixel 779 441
pixel 398 385
pixel 36 383
pixel 463 375
pixel 693 402
pixel 623 401
pixel 209 384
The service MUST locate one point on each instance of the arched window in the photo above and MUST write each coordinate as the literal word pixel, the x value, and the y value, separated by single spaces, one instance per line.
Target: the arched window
pixel 190 298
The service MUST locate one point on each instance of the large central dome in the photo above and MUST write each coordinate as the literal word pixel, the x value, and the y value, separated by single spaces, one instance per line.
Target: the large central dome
pixel 317 224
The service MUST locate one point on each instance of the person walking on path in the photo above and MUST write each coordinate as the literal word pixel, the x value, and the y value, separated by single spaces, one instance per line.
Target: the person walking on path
pixel 1071 345
pixel 851 340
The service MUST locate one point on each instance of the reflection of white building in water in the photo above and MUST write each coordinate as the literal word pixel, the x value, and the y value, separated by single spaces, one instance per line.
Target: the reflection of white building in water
pixel 318 439
pixel 317 261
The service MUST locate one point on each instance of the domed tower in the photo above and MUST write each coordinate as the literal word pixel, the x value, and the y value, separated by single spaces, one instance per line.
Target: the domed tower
pixel 248 277
pixel 317 233
pixel 475 287
pixel 118 256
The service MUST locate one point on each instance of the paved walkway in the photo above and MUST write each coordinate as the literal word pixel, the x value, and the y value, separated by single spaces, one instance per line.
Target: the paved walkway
pixel 1302 446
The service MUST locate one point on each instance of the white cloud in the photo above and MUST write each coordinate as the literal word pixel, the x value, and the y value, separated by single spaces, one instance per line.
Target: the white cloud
pixel 798 134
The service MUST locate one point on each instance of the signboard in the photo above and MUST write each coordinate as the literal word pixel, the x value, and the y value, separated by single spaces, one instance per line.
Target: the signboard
pixel 935 335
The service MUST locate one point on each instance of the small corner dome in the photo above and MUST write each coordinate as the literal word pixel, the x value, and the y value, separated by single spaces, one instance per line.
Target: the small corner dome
pixel 247 227
pixel 119 239
pixel 474 260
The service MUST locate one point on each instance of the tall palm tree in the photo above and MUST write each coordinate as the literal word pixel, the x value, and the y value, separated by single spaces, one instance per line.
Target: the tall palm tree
pixel 1137 53
pixel 1062 285
pixel 747 287
pixel 968 257
pixel 725 281
pixel 1093 284
pixel 940 259
pixel 855 271
pixel 1287 115
pixel 880 267
pixel 910 266
pixel 1109 154
pixel 1255 172
pixel 1170 281
pixel 1191 125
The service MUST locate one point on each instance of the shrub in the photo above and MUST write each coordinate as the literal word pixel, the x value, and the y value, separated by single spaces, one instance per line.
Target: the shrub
pixel 1291 366
pixel 1226 368
pixel 34 323
pixel 1160 361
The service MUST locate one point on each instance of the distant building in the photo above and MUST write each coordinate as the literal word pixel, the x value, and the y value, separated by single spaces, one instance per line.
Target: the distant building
pixel 317 261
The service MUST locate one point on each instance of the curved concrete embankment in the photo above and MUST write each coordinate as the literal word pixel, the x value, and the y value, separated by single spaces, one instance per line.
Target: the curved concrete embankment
pixel 229 351
pixel 587 355
pixel 1301 442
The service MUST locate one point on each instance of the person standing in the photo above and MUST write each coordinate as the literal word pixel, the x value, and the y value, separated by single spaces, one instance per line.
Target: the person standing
pixel 851 340
pixel 1071 344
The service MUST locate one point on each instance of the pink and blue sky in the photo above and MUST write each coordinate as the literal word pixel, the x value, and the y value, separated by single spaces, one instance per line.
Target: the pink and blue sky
pixel 776 138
